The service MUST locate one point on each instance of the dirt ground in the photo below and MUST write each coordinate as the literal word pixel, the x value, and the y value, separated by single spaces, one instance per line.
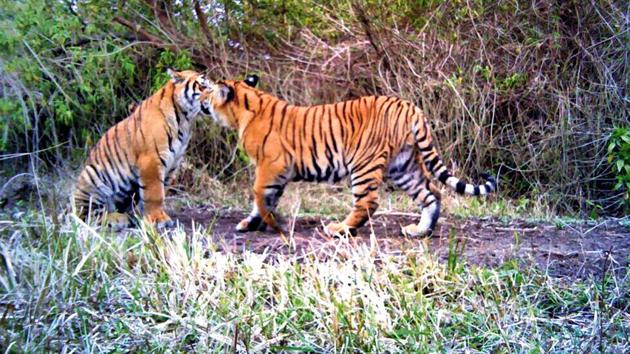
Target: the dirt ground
pixel 576 250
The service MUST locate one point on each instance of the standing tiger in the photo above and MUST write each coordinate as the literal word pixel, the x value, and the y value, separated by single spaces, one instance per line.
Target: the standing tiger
pixel 368 139
pixel 136 158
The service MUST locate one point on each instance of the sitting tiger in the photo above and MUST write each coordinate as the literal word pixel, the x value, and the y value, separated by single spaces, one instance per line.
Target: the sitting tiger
pixel 136 158
pixel 368 139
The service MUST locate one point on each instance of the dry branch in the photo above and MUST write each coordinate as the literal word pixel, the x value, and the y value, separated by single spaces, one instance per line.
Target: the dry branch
pixel 144 34
pixel 203 22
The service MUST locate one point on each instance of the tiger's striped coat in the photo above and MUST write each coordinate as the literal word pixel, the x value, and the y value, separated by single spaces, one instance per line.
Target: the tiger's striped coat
pixel 136 158
pixel 368 139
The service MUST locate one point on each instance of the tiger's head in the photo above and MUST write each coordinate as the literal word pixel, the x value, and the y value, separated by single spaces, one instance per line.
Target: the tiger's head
pixel 231 102
pixel 191 90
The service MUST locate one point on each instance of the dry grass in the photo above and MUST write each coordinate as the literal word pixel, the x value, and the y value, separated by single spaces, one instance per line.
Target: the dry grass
pixel 529 91
pixel 69 287
pixel 335 201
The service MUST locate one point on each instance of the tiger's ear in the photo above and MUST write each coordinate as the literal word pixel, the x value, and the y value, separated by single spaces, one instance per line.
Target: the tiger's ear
pixel 175 76
pixel 251 80
pixel 226 93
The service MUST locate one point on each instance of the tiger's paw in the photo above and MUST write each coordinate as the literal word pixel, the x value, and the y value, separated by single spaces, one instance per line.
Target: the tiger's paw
pixel 166 224
pixel 335 229
pixel 117 221
pixel 161 220
pixel 414 230
pixel 251 223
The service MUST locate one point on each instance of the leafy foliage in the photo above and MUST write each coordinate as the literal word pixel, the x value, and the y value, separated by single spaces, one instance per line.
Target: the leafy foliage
pixel 70 78
pixel 619 158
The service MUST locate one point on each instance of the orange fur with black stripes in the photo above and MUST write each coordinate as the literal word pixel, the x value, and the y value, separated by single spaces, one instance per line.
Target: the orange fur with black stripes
pixel 368 139
pixel 135 159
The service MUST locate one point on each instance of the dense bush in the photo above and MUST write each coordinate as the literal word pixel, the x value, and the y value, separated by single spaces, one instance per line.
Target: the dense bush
pixel 529 89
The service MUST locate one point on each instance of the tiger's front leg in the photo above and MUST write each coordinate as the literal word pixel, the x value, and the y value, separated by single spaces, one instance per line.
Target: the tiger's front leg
pixel 254 221
pixel 152 192
pixel 365 183
pixel 267 191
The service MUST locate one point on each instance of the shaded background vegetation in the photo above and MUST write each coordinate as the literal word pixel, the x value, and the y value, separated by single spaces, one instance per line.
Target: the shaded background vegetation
pixel 532 90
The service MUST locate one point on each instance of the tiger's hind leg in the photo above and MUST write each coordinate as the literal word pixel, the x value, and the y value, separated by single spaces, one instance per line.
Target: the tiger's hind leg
pixel 116 221
pixel 429 199
pixel 409 173
pixel 105 215
pixel 365 182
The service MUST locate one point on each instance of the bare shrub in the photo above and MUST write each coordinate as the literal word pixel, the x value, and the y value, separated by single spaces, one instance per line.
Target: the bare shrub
pixel 529 90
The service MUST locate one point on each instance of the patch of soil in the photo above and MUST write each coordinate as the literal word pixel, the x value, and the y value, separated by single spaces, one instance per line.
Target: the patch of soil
pixel 576 250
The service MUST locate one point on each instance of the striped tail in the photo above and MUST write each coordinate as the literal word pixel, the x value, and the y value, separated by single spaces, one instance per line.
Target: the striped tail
pixel 434 163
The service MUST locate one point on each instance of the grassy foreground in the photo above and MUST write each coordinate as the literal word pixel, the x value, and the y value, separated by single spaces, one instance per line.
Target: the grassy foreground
pixel 71 288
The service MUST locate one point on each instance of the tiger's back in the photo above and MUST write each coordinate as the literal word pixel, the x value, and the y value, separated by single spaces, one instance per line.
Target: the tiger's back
pixel 323 141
